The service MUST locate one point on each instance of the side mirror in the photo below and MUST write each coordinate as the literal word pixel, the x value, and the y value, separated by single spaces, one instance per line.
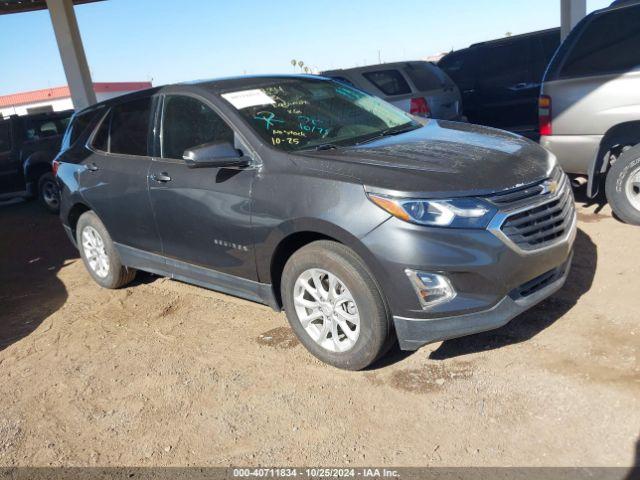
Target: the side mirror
pixel 216 154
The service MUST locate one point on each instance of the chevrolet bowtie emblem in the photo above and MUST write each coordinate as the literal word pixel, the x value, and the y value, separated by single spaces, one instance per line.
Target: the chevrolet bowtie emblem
pixel 550 186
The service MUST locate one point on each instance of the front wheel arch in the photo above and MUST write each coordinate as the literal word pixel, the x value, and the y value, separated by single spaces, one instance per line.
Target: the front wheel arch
pixel 287 244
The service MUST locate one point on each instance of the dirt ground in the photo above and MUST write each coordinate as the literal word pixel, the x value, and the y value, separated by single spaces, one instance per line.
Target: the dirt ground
pixel 164 373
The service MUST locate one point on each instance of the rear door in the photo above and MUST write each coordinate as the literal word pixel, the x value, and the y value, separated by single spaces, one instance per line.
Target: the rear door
pixel 203 214
pixel 114 180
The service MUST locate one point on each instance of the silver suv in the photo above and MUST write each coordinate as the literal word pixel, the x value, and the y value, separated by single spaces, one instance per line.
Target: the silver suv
pixel 417 87
pixel 589 108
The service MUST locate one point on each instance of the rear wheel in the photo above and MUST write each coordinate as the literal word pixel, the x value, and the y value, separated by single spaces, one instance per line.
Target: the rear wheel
pixel 335 306
pixel 49 192
pixel 623 186
pixel 99 254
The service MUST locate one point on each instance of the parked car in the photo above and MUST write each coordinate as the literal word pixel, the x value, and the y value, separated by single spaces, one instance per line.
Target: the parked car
pixel 590 105
pixel 500 79
pixel 417 87
pixel 28 144
pixel 306 194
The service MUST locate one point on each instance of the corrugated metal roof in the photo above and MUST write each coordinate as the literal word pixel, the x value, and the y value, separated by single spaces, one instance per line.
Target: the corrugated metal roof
pixel 55 93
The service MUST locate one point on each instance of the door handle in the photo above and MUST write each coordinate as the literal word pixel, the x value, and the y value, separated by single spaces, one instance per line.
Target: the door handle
pixel 92 167
pixel 160 177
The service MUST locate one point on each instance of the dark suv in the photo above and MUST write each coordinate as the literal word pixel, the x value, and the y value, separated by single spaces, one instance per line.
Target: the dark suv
pixel 500 79
pixel 28 144
pixel 310 196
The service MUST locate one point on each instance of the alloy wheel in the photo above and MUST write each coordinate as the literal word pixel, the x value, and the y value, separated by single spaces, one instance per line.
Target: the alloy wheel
pixel 94 251
pixel 326 310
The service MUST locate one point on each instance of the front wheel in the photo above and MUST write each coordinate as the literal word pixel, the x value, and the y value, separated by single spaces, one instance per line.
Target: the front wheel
pixel 335 306
pixel 99 254
pixel 623 186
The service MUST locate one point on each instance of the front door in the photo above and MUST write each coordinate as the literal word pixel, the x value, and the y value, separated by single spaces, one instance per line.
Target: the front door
pixel 203 214
pixel 114 180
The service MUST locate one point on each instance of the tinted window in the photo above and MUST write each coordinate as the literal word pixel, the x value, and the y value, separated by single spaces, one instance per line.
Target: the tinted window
pixel 5 136
pixel 459 67
pixel 390 82
pixel 37 129
pixel 542 49
pixel 125 130
pixel 187 123
pixel 101 138
pixel 505 64
pixel 79 124
pixel 424 76
pixel 610 44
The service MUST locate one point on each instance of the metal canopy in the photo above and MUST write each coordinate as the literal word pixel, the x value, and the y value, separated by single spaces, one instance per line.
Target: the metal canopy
pixel 20 6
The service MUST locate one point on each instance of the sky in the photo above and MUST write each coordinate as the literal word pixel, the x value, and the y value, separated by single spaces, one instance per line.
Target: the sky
pixel 180 40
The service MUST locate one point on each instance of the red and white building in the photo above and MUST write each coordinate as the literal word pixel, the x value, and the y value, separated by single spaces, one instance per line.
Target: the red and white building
pixel 59 98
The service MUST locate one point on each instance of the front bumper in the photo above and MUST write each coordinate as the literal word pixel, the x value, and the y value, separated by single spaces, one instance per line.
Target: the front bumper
pixel 414 333
pixel 495 273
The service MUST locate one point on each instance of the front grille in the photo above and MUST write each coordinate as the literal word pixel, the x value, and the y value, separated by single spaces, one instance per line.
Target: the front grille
pixel 538 283
pixel 542 223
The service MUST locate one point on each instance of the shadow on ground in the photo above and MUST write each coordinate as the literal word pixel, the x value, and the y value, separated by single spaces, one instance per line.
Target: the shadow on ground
pixel 532 322
pixel 33 249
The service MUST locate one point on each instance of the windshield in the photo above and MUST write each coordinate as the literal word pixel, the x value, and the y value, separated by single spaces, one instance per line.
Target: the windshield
pixel 298 114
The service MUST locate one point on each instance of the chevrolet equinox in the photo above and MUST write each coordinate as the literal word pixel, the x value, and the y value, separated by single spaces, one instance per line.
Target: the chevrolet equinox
pixel 363 223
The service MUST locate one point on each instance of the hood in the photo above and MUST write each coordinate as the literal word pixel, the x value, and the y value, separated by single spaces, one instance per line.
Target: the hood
pixel 440 159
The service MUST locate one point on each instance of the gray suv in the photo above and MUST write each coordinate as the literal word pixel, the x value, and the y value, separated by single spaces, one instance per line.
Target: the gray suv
pixel 418 87
pixel 589 109
pixel 314 197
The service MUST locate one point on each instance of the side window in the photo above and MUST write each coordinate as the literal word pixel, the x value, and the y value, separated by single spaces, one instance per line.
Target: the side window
pixel 38 129
pixel 424 76
pixel 187 123
pixel 609 44
pixel 543 48
pixel 125 130
pixel 5 136
pixel 505 65
pixel 459 67
pixel 77 125
pixel 390 82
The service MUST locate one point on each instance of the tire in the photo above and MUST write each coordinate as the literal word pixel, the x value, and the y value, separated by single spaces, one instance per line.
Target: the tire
pixel 623 186
pixel 330 260
pixel 49 192
pixel 92 235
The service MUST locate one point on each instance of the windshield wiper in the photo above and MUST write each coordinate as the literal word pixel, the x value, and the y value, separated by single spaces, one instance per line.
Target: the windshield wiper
pixel 325 146
pixel 389 132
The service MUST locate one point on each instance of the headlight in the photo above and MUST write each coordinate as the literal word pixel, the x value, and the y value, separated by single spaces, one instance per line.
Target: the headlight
pixel 455 213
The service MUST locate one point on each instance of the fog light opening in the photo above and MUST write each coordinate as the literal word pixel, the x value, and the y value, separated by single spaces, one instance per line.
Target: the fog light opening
pixel 432 288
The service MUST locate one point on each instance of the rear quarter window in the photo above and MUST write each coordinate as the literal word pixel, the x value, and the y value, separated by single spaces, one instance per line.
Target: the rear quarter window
pixel 424 76
pixel 609 43
pixel 390 82
pixel 78 124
